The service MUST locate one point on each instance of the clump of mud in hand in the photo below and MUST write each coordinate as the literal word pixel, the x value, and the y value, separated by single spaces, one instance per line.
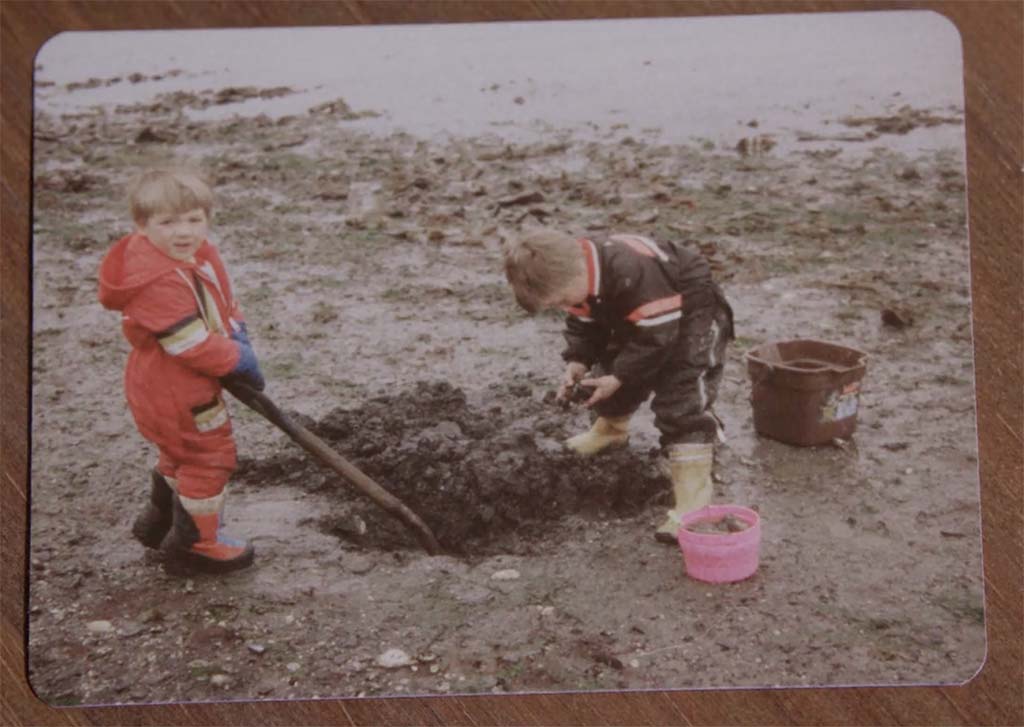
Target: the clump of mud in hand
pixel 484 478
pixel 577 394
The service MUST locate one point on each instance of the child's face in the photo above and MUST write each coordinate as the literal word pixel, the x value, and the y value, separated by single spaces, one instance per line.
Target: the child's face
pixel 177 234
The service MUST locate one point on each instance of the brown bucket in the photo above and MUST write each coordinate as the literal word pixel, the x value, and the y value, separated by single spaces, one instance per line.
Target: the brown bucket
pixel 805 392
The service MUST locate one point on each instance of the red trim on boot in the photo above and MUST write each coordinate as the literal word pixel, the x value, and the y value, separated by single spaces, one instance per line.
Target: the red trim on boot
pixel 211 545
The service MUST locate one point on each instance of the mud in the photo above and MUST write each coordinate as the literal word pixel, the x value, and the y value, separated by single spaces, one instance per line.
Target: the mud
pixel 486 479
pixel 903 121
pixel 368 266
pixel 727 524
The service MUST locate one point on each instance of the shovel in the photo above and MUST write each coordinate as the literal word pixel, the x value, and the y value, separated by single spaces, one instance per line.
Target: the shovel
pixel 262 405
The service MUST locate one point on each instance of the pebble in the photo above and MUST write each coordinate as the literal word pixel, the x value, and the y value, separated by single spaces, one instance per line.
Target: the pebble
pixel 509 574
pixel 100 627
pixel 449 429
pixel 151 615
pixel 292 666
pixel 470 594
pixel 256 648
pixel 220 680
pixel 393 658
pixel 358 564
pixel 132 629
pixel 356 525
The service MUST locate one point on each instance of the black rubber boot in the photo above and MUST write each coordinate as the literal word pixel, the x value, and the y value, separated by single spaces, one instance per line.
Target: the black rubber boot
pixel 195 543
pixel 152 525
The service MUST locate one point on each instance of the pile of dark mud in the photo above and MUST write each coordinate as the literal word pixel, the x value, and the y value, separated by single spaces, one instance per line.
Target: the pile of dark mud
pixel 486 477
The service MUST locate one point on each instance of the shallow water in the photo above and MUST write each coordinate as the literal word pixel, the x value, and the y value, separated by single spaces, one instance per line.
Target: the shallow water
pixel 677 79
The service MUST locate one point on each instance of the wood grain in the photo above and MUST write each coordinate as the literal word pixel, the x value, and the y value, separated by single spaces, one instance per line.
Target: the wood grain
pixel 992 35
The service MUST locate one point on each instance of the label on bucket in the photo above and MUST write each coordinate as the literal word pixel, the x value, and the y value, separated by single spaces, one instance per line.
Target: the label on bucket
pixel 841 404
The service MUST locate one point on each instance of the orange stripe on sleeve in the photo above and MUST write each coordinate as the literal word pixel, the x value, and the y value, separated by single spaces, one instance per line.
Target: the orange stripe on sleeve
pixel 636 246
pixel 656 307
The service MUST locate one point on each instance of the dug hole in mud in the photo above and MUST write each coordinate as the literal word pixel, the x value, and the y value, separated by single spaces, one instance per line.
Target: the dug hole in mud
pixel 487 477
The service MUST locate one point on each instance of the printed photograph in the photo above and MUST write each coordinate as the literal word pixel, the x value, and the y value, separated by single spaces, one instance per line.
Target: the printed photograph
pixel 500 358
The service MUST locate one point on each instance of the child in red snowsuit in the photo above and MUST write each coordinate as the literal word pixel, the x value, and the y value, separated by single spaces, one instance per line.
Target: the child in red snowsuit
pixel 187 334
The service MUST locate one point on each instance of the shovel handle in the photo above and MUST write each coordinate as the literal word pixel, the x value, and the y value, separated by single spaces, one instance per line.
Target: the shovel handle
pixel 262 405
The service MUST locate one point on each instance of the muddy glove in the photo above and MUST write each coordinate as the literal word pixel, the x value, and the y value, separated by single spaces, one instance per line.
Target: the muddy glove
pixel 247 370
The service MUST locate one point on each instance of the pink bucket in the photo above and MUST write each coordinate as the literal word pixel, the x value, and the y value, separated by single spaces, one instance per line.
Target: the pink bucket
pixel 720 557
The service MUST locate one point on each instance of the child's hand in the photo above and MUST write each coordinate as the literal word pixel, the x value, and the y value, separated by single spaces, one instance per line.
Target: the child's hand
pixel 574 371
pixel 241 333
pixel 604 387
pixel 247 370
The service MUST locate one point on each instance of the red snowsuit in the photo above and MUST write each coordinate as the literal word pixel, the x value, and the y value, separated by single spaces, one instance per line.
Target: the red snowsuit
pixel 178 317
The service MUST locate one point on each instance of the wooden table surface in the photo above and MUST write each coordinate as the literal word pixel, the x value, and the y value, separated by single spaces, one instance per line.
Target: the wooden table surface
pixel 992 35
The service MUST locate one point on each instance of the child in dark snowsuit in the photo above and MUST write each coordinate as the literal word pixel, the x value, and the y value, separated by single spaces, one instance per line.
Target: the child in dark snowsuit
pixel 643 317
pixel 187 333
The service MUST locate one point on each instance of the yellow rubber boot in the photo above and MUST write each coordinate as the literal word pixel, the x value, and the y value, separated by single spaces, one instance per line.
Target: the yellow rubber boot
pixel 605 432
pixel 689 468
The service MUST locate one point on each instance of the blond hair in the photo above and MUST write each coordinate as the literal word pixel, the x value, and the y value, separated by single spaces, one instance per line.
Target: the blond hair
pixel 541 264
pixel 173 190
